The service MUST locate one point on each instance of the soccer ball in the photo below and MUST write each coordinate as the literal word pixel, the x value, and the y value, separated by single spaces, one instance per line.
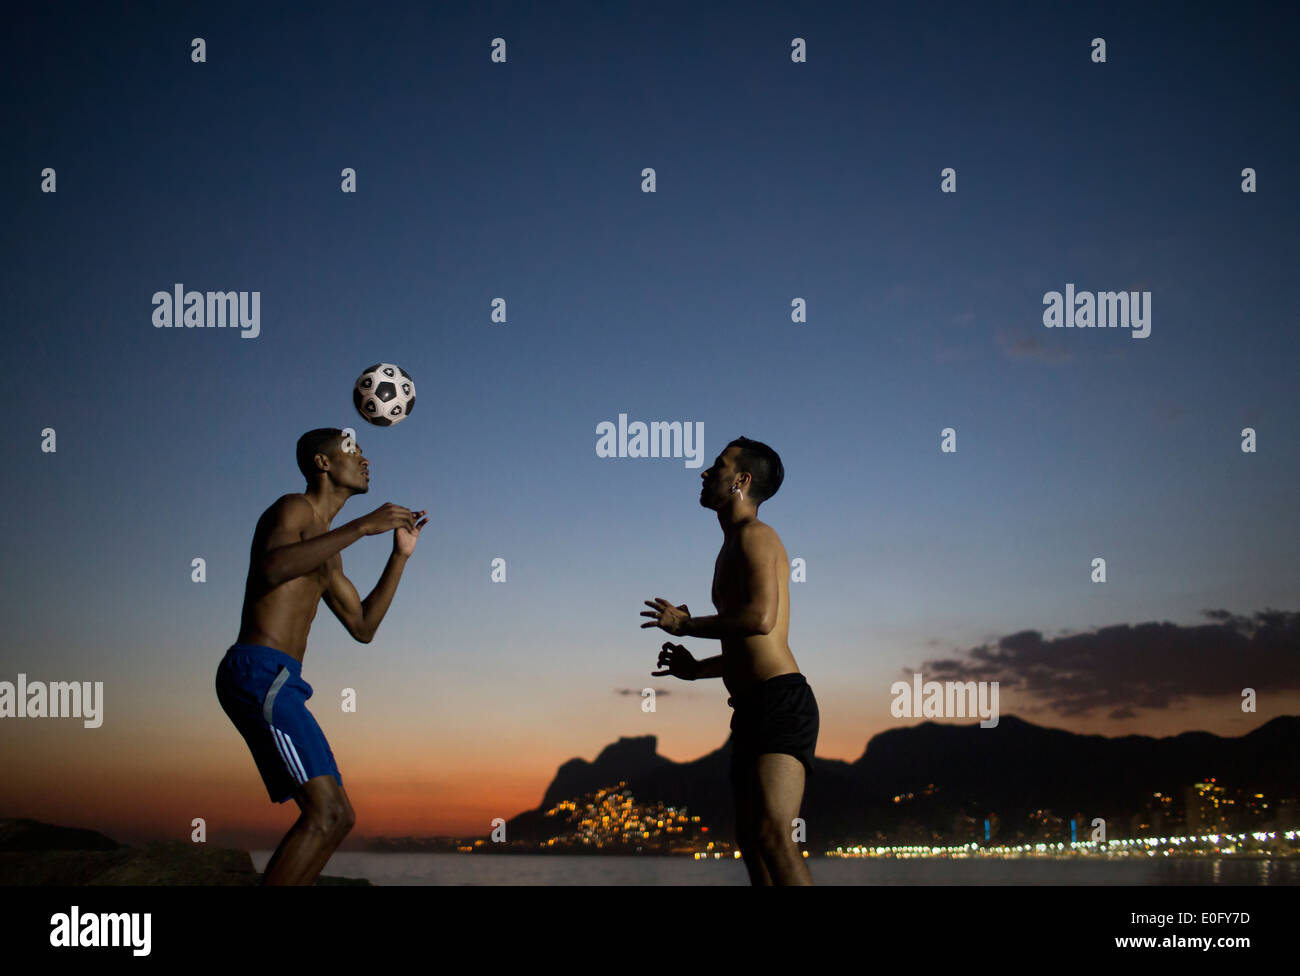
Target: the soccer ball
pixel 384 394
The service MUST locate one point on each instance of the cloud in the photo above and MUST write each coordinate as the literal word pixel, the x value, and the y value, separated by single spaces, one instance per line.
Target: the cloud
pixel 1127 668
pixel 1030 347
pixel 1170 413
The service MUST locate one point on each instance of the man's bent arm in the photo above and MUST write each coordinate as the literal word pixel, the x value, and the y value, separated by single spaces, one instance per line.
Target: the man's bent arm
pixel 710 667
pixel 746 623
pixel 376 604
pixel 758 614
pixel 299 558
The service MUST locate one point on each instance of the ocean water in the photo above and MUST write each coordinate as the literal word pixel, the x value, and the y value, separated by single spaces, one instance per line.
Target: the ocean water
pixel 527 869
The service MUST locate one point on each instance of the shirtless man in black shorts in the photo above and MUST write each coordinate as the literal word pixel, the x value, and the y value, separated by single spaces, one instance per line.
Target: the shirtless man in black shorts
pixel 295 561
pixel 774 727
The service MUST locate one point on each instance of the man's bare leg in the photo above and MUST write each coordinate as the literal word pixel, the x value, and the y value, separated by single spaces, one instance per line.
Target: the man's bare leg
pixel 326 818
pixel 745 793
pixel 349 819
pixel 780 792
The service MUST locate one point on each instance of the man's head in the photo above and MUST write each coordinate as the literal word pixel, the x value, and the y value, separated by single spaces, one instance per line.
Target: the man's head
pixel 746 470
pixel 321 453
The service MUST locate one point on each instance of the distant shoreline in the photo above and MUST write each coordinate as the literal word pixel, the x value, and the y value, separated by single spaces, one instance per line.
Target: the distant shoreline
pixel 41 854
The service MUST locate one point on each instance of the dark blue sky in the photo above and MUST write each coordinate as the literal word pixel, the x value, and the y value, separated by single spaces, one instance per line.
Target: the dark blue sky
pixel 775 181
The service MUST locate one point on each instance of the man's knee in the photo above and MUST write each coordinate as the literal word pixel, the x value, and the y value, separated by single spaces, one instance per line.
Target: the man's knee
pixel 327 810
pixel 347 818
pixel 774 836
pixel 330 820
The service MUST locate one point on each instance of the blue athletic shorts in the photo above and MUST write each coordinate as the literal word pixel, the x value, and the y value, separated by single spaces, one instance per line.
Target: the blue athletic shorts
pixel 262 691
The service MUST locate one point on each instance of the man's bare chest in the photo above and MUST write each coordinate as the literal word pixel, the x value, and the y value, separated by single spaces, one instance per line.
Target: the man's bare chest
pixel 728 584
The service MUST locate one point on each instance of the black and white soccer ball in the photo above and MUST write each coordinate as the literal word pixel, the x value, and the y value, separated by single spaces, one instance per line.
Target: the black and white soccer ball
pixel 384 394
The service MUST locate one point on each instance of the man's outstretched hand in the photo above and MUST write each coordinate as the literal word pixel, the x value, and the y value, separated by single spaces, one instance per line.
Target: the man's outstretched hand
pixel 666 616
pixel 404 538
pixel 680 662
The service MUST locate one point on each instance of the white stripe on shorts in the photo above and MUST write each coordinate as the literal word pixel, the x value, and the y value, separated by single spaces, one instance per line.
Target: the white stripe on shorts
pixel 290 756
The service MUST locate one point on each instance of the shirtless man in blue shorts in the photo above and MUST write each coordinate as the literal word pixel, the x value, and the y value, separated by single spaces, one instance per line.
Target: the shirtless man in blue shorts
pixel 775 722
pixel 293 563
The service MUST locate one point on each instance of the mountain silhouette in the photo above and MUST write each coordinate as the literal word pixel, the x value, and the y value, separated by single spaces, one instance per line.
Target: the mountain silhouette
pixel 954 772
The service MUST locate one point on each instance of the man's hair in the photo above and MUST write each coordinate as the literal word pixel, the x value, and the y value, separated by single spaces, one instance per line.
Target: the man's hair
pixel 312 443
pixel 762 464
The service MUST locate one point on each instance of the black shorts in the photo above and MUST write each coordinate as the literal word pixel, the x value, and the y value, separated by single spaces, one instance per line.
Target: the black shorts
pixel 776 715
